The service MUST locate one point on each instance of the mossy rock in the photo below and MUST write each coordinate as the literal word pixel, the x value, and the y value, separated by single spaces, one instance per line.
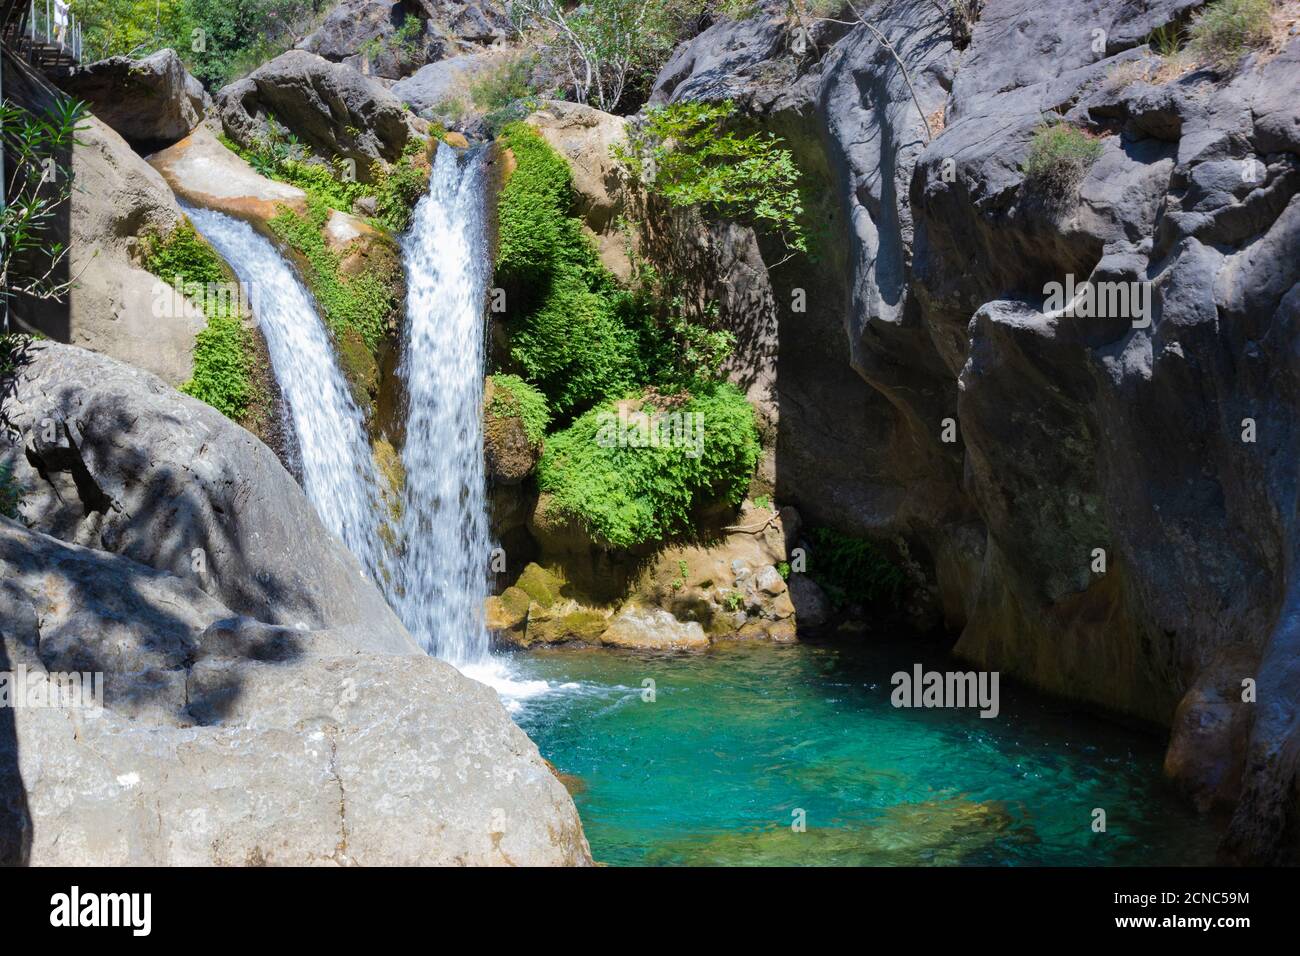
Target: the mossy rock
pixel 583 626
pixel 509 610
pixel 540 585
pixel 360 369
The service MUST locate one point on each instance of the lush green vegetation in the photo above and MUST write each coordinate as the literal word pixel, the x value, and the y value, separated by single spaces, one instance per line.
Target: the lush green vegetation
pixel 219 40
pixel 629 493
pixel 1060 155
pixel 853 570
pixel 513 396
pixel 694 154
pixel 364 303
pixel 585 343
pixel 575 333
pixel 395 190
pixel 223 351
pixel 37 152
pixel 1226 29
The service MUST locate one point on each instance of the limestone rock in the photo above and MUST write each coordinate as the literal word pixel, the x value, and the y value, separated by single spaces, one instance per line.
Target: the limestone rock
pixel 205 173
pixel 149 102
pixel 335 111
pixel 111 458
pixel 203 750
pixel 653 629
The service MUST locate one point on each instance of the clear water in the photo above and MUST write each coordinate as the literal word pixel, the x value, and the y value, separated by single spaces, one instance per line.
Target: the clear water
pixel 338 471
pixel 740 737
pixel 446 542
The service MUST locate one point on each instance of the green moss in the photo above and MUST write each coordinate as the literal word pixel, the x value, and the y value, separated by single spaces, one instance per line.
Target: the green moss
pixel 513 396
pixel 631 494
pixel 1060 155
pixel 539 584
pixel 365 303
pixel 853 570
pixel 1223 32
pixel 223 351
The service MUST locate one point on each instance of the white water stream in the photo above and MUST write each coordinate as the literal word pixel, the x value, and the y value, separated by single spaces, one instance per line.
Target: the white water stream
pixel 338 472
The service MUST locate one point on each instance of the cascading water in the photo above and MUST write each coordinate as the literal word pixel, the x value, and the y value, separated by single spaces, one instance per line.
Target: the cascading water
pixel 446 541
pixel 338 472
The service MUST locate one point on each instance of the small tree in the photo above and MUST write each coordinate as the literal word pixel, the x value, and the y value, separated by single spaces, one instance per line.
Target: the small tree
pixel 38 182
pixel 601 46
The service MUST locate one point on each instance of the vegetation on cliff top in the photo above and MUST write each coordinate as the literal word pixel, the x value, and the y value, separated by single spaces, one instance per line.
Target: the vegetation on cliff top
pixel 1223 32
pixel 1060 155
pixel 693 154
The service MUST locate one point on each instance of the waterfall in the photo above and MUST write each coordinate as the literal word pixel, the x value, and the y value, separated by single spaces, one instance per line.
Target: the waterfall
pixel 338 472
pixel 446 541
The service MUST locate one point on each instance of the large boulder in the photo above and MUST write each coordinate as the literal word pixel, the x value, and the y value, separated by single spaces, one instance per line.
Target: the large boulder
pixel 150 102
pixel 445 85
pixel 216 740
pixel 332 109
pixel 114 305
pixel 380 38
pixel 111 458
pixel 203 172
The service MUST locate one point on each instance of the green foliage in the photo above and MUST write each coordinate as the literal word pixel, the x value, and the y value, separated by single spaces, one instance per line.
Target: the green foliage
pixel 37 150
pixel 364 302
pixel 10 494
pixel 693 155
pixel 1060 155
pixel 1166 40
pixel 280 155
pixel 502 85
pixel 1223 32
pixel 131 27
pixel 223 351
pixel 404 41
pixel 629 495
pixel 513 396
pixel 853 570
pixel 764 502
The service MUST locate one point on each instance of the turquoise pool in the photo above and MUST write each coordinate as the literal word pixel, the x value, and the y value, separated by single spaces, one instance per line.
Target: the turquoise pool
pixel 713 770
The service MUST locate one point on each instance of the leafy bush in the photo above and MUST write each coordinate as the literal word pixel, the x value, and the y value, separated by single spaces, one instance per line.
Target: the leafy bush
pixel 692 155
pixel 513 396
pixel 1226 29
pixel 632 495
pixel 853 570
pixel 223 351
pixel 567 336
pixel 502 85
pixel 1060 156
pixel 364 303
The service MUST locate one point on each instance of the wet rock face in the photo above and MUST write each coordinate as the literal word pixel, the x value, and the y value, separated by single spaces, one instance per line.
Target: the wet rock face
pixel 1165 445
pixel 264 707
pixel 149 102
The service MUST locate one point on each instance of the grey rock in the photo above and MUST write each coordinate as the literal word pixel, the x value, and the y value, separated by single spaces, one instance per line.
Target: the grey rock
pixel 203 751
pixel 435 85
pixel 333 110
pixel 810 603
pixel 1072 433
pixel 375 37
pixel 150 102
pixel 111 458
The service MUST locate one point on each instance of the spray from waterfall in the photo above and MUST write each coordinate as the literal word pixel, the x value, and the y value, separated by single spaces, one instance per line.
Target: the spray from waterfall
pixel 338 472
pixel 446 541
